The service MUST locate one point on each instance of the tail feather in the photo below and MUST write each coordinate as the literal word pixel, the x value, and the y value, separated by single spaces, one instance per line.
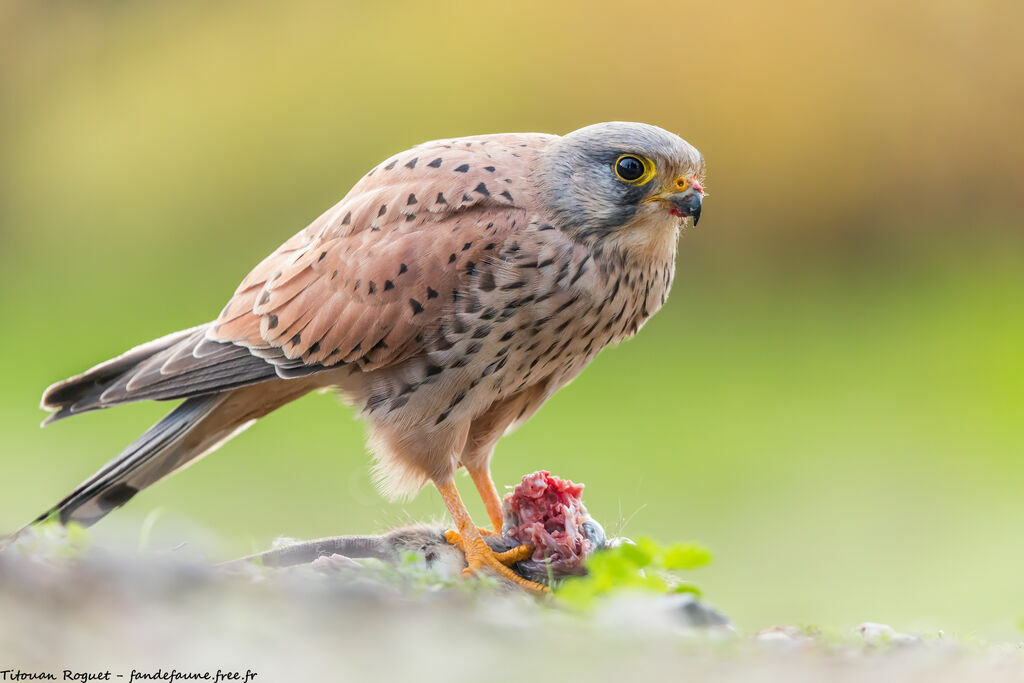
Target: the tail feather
pixel 225 386
pixel 62 395
pixel 194 429
pixel 180 365
pixel 162 449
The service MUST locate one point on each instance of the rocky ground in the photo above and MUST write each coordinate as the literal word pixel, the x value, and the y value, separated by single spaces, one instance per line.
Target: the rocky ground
pixel 171 617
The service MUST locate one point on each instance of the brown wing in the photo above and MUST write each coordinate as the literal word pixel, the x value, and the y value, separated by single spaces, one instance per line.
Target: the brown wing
pixel 371 277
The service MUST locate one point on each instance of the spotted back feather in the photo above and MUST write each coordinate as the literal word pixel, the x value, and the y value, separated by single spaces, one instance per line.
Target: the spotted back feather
pixel 365 282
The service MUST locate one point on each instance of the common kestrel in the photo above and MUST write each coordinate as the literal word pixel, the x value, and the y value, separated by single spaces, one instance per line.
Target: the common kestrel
pixel 455 288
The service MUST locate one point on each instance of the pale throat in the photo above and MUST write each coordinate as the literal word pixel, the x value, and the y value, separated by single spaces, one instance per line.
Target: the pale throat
pixel 649 241
pixel 647 249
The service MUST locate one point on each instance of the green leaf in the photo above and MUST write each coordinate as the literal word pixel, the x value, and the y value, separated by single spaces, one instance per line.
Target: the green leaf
pixel 614 564
pixel 651 582
pixel 685 556
pixel 578 592
pixel 641 553
pixel 631 566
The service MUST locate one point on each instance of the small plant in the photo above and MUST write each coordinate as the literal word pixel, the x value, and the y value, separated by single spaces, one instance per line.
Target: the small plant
pixel 644 565
pixel 52 540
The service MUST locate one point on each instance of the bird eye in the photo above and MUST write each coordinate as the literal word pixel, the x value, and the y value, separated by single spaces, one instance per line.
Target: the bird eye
pixel 633 169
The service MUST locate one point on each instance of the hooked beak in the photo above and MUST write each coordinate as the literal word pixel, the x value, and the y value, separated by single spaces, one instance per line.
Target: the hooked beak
pixel 684 199
pixel 686 203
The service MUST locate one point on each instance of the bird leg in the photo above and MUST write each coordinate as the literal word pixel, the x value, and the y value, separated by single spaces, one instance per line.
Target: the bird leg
pixel 466 537
pixel 489 494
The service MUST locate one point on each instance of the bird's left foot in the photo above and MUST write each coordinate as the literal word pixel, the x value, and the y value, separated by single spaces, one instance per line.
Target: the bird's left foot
pixel 479 556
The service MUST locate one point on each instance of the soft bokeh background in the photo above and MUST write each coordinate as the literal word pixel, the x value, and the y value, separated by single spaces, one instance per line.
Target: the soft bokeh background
pixel 832 400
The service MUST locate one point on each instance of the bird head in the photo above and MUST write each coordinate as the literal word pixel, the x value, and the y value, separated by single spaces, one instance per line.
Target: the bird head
pixel 620 181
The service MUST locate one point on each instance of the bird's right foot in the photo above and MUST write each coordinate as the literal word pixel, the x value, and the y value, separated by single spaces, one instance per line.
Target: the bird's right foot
pixel 479 556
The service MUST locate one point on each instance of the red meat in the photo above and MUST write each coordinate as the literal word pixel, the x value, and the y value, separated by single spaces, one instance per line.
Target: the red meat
pixel 548 513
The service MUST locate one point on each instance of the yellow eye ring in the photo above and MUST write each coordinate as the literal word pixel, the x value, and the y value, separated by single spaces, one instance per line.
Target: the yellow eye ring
pixel 634 169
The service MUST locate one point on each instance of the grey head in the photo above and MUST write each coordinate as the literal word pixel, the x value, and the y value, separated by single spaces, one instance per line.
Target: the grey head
pixel 609 176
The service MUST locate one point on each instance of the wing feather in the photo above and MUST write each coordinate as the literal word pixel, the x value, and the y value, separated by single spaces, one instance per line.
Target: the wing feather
pixel 370 279
pixel 364 284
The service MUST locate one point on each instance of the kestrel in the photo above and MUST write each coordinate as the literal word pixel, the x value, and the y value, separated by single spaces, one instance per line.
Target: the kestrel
pixel 455 288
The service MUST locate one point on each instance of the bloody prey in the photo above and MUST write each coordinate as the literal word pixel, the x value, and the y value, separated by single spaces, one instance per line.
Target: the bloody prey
pixel 548 513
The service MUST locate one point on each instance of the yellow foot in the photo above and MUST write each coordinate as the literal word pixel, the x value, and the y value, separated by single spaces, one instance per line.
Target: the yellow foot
pixel 480 556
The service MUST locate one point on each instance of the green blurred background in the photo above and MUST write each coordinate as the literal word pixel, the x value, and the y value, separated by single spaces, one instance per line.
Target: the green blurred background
pixel 832 400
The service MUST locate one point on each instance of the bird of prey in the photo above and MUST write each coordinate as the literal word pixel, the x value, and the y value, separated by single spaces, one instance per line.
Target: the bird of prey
pixel 454 289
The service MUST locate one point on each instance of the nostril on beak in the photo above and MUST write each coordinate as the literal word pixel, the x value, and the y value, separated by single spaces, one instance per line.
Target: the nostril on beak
pixel 683 183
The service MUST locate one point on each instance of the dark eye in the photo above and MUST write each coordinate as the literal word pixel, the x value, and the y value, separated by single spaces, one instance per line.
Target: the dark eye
pixel 629 168
pixel 634 169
